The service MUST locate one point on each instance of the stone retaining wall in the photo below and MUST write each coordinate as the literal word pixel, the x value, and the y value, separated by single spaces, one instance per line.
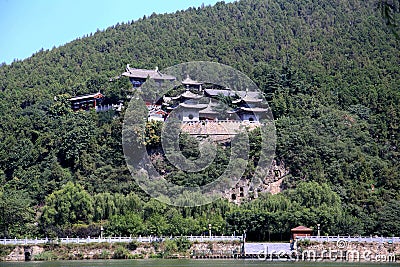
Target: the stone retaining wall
pixel 109 251
pixel 351 251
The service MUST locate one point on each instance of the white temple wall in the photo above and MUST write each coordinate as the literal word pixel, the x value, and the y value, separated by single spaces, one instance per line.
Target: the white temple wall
pixel 189 114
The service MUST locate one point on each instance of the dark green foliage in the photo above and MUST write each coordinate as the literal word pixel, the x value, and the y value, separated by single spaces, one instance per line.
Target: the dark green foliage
pixel 329 70
pixel 183 244
pixel 69 205
pixel 132 245
pixel 124 225
pixel 388 219
pixel 5 250
pixel 390 10
pixel 121 253
pixel 16 213
pixel 81 230
pixel 272 216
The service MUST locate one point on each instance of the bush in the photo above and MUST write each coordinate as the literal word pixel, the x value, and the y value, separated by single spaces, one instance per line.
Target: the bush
pixel 132 245
pixel 155 256
pixel 156 245
pixel 303 243
pixel 121 253
pixel 6 250
pixel 170 247
pixel 183 244
pixel 105 254
pixel 45 256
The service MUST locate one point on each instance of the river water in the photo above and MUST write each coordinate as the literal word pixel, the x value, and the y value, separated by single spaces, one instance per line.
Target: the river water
pixel 188 263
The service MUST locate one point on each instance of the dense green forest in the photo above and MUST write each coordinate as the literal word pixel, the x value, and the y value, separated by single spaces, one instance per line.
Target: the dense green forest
pixel 329 69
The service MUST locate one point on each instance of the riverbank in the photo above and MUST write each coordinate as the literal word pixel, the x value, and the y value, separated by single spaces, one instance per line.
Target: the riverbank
pixel 177 248
pixel 182 248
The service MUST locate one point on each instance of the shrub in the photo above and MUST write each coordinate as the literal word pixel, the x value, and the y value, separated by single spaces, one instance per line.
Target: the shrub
pixel 132 245
pixel 304 243
pixel 155 256
pixel 105 254
pixel 156 245
pixel 183 244
pixel 170 246
pixel 6 250
pixel 45 256
pixel 121 253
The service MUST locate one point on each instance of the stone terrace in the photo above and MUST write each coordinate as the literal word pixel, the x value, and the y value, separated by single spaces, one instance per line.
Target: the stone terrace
pixel 217 130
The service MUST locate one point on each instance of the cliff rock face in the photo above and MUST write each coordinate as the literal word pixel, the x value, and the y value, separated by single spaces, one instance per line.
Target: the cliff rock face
pixel 23 253
pixel 272 182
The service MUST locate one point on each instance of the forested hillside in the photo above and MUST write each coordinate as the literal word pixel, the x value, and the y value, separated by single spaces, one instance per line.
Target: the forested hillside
pixel 329 69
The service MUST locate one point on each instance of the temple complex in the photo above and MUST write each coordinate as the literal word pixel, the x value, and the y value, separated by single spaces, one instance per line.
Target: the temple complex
pixel 193 101
pixel 211 111
pixel 207 106
pixel 197 102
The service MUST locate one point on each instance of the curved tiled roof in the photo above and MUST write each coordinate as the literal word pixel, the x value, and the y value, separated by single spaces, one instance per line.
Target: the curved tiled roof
pixel 194 106
pixel 189 81
pixel 216 92
pixel 143 74
pixel 209 109
pixel 301 228
pixel 189 95
pixel 81 97
pixel 255 109
pixel 248 97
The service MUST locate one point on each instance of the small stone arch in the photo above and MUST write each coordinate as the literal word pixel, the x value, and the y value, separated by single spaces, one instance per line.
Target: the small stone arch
pixel 28 253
